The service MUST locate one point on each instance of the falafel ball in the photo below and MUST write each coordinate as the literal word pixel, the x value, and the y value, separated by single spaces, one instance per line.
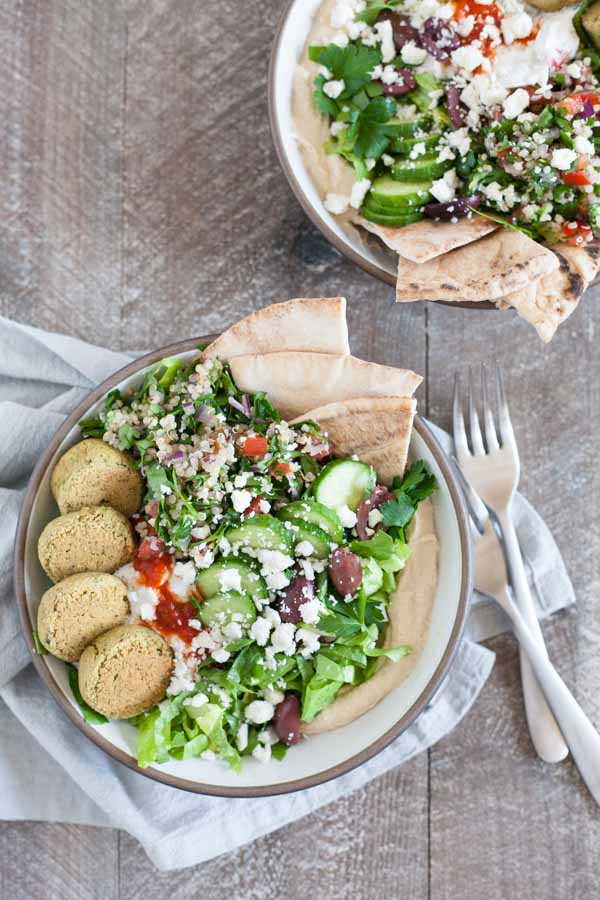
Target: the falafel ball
pixel 94 474
pixel 79 609
pixel 93 539
pixel 125 671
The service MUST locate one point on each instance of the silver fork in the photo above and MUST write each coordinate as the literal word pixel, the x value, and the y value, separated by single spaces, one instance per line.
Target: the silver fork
pixel 492 468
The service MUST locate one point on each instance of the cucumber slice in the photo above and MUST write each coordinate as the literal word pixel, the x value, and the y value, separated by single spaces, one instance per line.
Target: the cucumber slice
pixel 214 580
pixel 230 606
pixel 344 482
pixel 404 146
pixel 316 514
pixel 304 531
pixel 406 128
pixel 393 220
pixel 425 168
pixel 261 532
pixel 397 195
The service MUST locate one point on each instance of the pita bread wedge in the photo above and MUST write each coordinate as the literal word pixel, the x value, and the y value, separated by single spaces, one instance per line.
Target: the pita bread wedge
pixel 549 301
pixel 377 429
pixel 296 382
pixel 426 240
pixel 409 621
pixel 488 269
pixel 314 324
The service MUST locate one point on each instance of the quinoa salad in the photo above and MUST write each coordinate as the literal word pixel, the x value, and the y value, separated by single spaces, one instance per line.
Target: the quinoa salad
pixel 449 110
pixel 264 563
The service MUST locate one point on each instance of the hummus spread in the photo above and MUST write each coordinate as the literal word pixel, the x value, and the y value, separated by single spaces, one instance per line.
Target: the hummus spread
pixel 409 619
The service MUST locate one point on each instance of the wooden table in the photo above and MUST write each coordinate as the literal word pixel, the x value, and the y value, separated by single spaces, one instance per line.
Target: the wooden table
pixel 142 203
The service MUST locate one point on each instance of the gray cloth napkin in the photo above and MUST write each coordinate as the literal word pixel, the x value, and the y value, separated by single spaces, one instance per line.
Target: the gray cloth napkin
pixel 49 771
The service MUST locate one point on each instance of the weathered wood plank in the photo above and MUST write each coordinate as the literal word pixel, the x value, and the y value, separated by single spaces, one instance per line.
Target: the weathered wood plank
pixel 61 98
pixel 504 824
pixel 368 845
pixel 57 862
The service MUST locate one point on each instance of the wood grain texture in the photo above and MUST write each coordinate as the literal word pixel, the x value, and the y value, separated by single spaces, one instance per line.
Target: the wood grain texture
pixel 142 203
pixel 517 826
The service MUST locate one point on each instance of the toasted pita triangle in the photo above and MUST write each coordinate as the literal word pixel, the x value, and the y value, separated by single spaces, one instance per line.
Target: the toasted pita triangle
pixel 499 264
pixel 377 429
pixel 426 240
pixel 315 324
pixel 296 382
pixel 549 301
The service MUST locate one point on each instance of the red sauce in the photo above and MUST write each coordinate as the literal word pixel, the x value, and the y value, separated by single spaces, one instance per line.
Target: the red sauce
pixel 484 14
pixel 530 37
pixel 172 615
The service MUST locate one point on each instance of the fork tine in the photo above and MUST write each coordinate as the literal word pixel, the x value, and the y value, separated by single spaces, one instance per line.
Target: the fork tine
pixel 491 438
pixel 506 430
pixel 476 436
pixel 458 422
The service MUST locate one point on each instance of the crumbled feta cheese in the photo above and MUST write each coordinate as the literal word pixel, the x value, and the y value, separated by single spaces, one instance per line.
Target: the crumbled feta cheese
pixel 413 55
pixel 374 518
pixel 563 158
pixel 574 70
pixel 241 500
pixel 230 580
pixel 385 33
pixel 377 72
pixel 465 26
pixel 221 655
pixel 273 566
pixel 516 27
pixel 260 630
pixel 271 615
pixel 340 39
pixel 282 638
pixel 337 127
pixel 460 140
pixel 307 569
pixel 370 164
pixel 304 548
pixel 241 737
pixel 333 89
pixel 258 712
pixel 233 631
pixel 516 103
pixel 336 204
pixel 360 190
pixel 468 57
pixel 309 641
pixel 196 701
pixel 310 611
pixel 262 752
pixel 272 695
pixel 346 516
pixel 583 145
pixel 419 149
pixel 444 154
pixel 444 188
pixel 387 160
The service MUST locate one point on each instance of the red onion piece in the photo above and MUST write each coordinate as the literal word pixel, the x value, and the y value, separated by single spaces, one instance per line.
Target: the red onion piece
pixel 587 111
pixel 203 414
pixel 188 408
pixel 246 405
pixel 177 456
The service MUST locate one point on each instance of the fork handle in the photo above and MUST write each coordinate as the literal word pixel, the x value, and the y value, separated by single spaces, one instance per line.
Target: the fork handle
pixel 545 733
pixel 582 737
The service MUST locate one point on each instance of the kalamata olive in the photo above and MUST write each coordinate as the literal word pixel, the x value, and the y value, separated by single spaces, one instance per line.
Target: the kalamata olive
pixel 300 591
pixel 454 209
pixel 345 572
pixel 406 83
pixel 286 720
pixel 439 39
pixel 402 30
pixel 455 110
pixel 379 496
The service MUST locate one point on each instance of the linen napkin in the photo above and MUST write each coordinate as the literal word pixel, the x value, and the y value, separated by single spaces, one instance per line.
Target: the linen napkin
pixel 49 771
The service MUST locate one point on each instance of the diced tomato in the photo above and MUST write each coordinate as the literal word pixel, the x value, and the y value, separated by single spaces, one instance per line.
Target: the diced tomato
pixel 578 178
pixel 255 445
pixel 574 104
pixel 254 506
pixel 282 468
pixel 577 233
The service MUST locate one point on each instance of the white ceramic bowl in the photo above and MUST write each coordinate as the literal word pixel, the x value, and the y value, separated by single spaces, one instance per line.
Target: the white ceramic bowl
pixel 317 759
